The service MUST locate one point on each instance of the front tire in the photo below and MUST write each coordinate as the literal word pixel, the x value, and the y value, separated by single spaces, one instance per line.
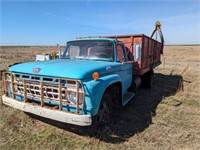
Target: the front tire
pixel 105 113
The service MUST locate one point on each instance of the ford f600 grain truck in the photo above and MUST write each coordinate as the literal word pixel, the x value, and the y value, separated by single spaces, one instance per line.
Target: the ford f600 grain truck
pixel 94 76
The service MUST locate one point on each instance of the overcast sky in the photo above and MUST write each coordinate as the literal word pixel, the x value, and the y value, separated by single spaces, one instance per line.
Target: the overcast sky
pixel 51 22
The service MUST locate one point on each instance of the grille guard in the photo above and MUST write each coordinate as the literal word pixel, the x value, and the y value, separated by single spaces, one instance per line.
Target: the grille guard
pixel 44 91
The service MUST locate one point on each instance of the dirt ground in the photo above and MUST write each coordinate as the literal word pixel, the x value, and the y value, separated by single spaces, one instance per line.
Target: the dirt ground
pixel 164 117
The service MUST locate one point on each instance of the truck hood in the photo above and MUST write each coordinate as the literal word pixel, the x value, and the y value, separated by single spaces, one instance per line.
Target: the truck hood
pixel 66 68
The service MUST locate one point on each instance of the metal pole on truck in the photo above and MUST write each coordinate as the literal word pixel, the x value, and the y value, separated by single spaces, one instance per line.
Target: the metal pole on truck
pixel 158 28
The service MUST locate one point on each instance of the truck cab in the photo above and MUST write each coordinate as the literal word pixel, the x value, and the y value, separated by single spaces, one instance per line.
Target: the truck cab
pixel 109 71
pixel 109 57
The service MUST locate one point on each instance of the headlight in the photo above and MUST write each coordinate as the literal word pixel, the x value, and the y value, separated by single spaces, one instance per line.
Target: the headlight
pixel 71 96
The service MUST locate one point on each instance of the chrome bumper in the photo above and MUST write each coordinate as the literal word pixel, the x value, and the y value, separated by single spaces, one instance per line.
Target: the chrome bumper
pixel 76 119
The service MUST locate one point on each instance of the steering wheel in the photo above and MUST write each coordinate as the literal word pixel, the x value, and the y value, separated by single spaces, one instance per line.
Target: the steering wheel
pixel 103 54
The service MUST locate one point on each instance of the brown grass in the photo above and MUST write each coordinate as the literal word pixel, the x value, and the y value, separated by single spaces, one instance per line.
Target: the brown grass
pixel 165 117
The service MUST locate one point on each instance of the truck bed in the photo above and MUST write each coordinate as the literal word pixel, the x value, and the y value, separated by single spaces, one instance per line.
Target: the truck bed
pixel 150 51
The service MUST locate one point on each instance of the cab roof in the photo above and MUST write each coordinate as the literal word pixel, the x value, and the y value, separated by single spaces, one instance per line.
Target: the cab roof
pixel 95 38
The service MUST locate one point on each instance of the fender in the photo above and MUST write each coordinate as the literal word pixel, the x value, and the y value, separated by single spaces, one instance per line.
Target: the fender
pixel 95 90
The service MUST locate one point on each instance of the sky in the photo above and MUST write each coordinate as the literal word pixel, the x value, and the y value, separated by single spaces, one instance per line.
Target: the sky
pixel 51 22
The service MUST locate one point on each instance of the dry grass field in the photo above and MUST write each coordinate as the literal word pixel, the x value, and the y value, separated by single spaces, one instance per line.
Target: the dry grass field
pixel 164 117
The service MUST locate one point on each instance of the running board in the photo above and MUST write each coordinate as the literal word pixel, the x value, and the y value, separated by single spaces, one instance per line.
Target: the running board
pixel 127 97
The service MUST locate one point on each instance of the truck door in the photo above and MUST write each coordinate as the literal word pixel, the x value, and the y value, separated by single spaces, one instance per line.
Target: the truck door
pixel 125 67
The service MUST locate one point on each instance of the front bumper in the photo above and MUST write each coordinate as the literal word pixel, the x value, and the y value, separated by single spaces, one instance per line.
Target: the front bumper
pixel 65 117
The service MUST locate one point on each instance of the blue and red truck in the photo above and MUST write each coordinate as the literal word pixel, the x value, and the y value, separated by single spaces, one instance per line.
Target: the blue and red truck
pixel 94 76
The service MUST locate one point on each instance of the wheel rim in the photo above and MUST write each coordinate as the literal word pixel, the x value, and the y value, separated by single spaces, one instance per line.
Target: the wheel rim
pixel 104 114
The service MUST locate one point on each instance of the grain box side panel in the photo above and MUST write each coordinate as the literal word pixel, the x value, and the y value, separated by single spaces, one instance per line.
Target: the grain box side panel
pixel 154 52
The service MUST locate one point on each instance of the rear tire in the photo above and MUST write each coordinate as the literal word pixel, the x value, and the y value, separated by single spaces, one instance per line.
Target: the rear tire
pixel 147 79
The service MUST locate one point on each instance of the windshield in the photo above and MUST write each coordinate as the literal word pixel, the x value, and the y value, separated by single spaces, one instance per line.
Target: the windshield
pixel 90 49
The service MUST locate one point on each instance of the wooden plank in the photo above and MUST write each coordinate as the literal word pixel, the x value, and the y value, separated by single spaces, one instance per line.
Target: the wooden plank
pixel 25 91
pixel 5 87
pixel 3 83
pixel 83 105
pixel 12 86
pixel 77 97
pixel 64 101
pixel 42 94
pixel 60 93
pixel 47 87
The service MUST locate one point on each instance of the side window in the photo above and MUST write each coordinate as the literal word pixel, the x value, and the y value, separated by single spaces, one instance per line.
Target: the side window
pixel 120 53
